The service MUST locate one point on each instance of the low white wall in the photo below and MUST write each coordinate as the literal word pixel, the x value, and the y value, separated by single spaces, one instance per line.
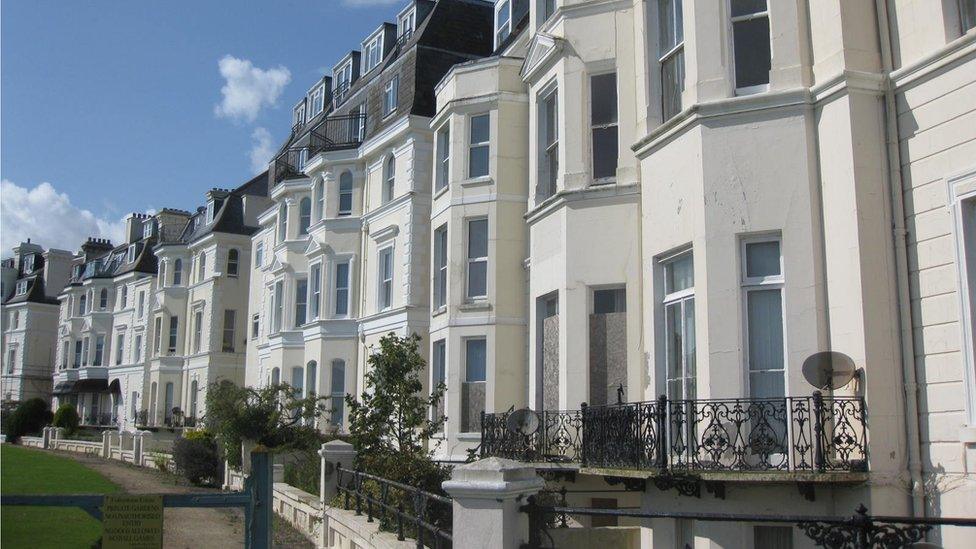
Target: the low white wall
pixel 77 446
pixel 300 509
pixel 32 442
pixel 343 529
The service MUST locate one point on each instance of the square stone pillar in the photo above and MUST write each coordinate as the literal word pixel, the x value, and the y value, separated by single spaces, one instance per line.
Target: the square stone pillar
pixel 334 453
pixel 487 495
pixel 46 437
pixel 106 444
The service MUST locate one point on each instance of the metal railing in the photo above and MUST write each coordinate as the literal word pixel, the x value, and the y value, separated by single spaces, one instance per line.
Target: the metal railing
pixel 285 165
pixel 558 438
pixel 402 509
pixel 859 531
pixel 816 434
pixel 337 133
pixel 98 420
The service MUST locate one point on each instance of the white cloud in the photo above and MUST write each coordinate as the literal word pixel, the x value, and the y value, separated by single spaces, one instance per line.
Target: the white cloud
pixel 49 219
pixel 369 3
pixel 261 150
pixel 248 89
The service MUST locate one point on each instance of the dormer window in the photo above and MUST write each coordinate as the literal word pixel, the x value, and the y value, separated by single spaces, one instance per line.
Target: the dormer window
pixel 147 228
pixel 372 52
pixel 21 287
pixel 130 255
pixel 29 263
pixel 407 22
pixel 317 101
pixel 503 21
pixel 298 115
pixel 210 211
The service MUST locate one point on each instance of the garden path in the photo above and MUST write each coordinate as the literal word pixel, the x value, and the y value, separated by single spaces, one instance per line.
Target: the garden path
pixel 186 527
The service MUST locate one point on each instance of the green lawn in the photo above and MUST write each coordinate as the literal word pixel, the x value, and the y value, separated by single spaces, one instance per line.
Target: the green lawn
pixel 26 471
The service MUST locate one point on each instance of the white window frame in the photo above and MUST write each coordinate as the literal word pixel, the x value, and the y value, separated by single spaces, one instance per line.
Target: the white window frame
pixel 157 336
pixel 304 218
pixel 98 355
pixel 685 298
pixel 390 96
pixel 259 255
pixel 604 126
pixel 548 144
pixel 469 261
pixel 233 260
pixel 443 157
pixel 372 51
pixel 441 248
pixel 173 337
pixel 760 283
pixel 346 192
pixel 962 195
pixel 407 21
pixel 210 211
pixel 298 114
pixel 503 30
pixel 967 15
pixel 231 330
pixel 300 304
pixel 384 287
pixel 119 347
pixel 147 228
pixel 255 326
pixel 317 100
pixel 21 287
pixel 472 144
pixel 314 304
pixel 277 305
pixel 758 88
pixel 282 223
pixel 197 329
pixel 389 178
pixel 130 255
pixel 137 349
pixel 29 263
pixel 338 289
pixel 672 53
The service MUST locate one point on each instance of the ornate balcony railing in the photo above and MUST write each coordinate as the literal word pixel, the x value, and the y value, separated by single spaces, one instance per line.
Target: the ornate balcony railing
pixel 337 133
pixel 814 434
pixel 558 437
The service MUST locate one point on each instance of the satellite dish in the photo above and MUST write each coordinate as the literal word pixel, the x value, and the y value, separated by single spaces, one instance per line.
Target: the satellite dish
pixel 524 421
pixel 828 370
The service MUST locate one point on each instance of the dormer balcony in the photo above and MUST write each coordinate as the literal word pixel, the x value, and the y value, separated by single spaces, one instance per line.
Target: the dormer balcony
pixel 340 94
pixel 335 133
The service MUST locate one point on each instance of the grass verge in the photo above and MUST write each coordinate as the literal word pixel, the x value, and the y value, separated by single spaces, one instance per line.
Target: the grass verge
pixel 26 471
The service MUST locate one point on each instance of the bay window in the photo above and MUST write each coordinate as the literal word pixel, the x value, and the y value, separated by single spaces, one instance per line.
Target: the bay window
pixel 762 288
pixel 233 262
pixel 337 391
pixel 342 289
pixel 197 329
pixel 440 267
pixel 345 193
pixel 174 330
pixel 119 345
pixel 230 327
pixel 671 55
pixel 301 301
pixel 304 215
pixel 277 304
pixel 478 146
pixel 389 178
pixel 603 124
pixel 315 277
pixel 473 388
pixel 548 144
pixel 443 156
pixel 99 349
pixel 750 45
pixel 679 326
pixel 477 280
pixel 385 294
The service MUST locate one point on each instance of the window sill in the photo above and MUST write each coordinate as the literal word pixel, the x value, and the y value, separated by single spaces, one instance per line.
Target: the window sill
pixel 472 436
pixel 604 181
pixel 389 115
pixel 751 90
pixel 439 311
pixel 475 305
pixel 477 181
pixel 439 192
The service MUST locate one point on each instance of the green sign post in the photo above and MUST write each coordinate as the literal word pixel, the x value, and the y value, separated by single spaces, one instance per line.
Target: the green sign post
pixel 132 521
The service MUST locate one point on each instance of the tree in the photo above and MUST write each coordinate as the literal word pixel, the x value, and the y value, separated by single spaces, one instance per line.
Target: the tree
pixel 29 418
pixel 67 417
pixel 275 416
pixel 392 416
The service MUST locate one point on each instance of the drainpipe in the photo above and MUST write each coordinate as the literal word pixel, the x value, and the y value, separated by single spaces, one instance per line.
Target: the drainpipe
pixel 903 299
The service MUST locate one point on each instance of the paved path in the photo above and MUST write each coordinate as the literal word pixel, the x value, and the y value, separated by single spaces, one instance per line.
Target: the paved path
pixel 185 527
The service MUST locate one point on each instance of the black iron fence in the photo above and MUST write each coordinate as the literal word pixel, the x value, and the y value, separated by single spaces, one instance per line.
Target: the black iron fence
pixel 557 438
pixel 402 509
pixel 336 133
pixel 859 531
pixel 816 433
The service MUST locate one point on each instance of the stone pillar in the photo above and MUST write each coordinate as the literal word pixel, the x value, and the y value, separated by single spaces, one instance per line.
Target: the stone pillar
pixel 278 472
pixel 57 435
pixel 46 437
pixel 487 495
pixel 139 445
pixel 333 453
pixel 106 444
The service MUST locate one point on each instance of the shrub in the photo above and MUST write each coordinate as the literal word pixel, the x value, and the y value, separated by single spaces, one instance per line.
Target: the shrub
pixel 29 418
pixel 197 457
pixel 67 417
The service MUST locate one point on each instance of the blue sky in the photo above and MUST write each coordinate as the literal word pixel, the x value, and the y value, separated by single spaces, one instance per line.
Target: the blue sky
pixel 110 107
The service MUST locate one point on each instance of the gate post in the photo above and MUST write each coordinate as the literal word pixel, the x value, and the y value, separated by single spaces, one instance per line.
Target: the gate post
pixel 487 495
pixel 106 444
pixel 46 437
pixel 257 519
pixel 333 453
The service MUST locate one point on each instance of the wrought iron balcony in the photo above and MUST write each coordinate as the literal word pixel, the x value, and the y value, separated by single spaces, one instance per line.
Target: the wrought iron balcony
pixel 333 134
pixel 793 434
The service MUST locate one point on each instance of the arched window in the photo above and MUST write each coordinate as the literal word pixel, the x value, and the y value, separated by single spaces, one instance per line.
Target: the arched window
pixel 298 379
pixel 193 399
pixel 233 260
pixel 177 272
pixel 389 178
pixel 275 376
pixel 337 391
pixel 318 195
pixel 311 377
pixel 124 301
pixel 345 193
pixel 103 299
pixel 304 215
